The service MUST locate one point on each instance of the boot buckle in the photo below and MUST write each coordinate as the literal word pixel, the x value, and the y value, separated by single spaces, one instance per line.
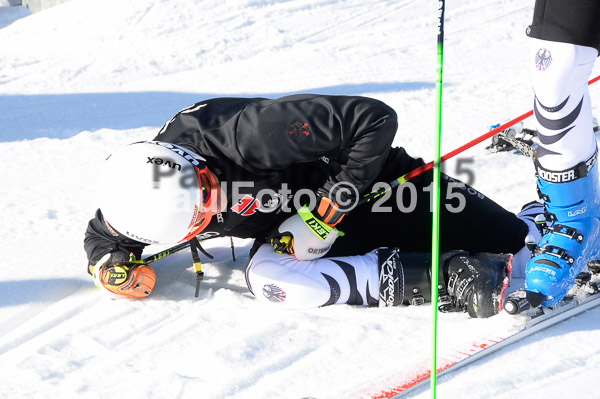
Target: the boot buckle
pixel 417 299
pixel 560 253
pixel 567 231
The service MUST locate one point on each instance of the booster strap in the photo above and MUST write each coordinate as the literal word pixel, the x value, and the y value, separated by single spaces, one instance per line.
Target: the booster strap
pixel 568 175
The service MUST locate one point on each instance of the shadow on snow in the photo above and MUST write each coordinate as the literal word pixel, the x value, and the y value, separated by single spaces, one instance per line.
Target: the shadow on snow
pixel 25 117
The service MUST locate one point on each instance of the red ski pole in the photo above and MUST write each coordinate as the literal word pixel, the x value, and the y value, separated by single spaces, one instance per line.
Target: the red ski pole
pixel 428 166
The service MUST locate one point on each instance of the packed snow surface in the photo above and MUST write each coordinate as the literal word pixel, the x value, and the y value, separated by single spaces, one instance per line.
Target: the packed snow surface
pixel 82 78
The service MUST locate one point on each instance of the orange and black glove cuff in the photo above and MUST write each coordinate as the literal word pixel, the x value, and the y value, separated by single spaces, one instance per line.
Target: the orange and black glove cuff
pixel 328 211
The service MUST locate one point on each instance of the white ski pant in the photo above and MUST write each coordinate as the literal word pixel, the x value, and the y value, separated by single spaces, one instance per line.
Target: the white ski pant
pixel 559 74
pixel 295 284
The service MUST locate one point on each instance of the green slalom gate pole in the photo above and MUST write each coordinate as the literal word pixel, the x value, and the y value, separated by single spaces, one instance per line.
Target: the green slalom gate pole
pixel 435 230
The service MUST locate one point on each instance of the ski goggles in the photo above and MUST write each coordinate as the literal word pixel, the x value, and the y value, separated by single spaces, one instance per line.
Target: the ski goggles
pixel 210 189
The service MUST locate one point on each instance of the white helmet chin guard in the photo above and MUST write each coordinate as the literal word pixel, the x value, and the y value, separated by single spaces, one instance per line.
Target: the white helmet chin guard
pixel 157 193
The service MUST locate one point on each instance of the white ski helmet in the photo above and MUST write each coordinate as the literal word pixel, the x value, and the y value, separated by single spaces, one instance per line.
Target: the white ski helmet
pixel 157 193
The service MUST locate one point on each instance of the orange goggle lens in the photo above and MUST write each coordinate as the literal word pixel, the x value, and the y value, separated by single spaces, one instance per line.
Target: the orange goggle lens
pixel 210 189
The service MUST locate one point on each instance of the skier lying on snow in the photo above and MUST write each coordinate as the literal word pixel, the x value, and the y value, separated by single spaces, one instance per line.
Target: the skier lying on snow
pixel 243 167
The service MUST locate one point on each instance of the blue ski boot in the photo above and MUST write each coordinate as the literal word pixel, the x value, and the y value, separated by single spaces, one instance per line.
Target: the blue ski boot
pixel 572 238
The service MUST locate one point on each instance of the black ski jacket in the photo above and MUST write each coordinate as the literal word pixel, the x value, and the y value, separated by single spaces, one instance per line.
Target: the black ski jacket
pixel 300 142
